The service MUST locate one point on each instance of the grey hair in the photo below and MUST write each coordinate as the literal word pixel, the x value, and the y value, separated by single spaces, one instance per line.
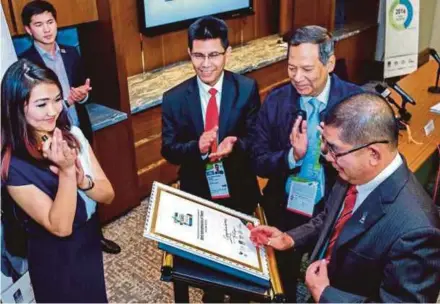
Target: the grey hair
pixel 317 35
pixel 363 118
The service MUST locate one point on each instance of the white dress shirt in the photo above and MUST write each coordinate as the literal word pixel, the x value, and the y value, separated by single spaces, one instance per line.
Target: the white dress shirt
pixel 365 189
pixel 205 96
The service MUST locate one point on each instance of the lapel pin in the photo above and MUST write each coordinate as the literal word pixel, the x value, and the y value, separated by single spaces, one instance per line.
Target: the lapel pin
pixel 63 51
pixel 363 218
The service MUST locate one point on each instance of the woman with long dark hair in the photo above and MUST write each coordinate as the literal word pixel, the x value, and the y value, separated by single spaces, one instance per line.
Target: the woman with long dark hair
pixel 53 181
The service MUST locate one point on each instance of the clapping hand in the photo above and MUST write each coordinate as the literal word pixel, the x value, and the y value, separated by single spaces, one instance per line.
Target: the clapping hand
pixel 223 149
pixel 59 153
pixel 298 138
pixel 207 139
pixel 79 93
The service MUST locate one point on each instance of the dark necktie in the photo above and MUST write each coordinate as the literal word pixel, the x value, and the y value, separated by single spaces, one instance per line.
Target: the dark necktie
pixel 347 211
pixel 211 119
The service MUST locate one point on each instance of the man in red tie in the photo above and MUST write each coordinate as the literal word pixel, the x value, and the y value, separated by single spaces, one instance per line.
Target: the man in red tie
pixel 207 122
pixel 378 238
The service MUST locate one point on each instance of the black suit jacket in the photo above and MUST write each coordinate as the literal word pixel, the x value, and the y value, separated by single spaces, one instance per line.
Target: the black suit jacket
pixel 182 126
pixel 271 146
pixel 75 74
pixel 388 251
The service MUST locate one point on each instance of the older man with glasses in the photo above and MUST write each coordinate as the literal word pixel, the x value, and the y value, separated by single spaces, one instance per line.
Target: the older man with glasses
pixel 378 238
pixel 286 146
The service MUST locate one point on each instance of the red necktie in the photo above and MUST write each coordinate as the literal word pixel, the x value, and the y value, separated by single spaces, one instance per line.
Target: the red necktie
pixel 211 119
pixel 347 211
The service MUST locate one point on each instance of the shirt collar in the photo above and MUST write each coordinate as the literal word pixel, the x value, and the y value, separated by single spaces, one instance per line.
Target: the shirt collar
pixel 46 54
pixel 205 88
pixel 323 97
pixel 390 169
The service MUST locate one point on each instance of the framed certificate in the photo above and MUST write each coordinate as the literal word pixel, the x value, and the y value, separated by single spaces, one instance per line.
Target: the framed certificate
pixel 206 233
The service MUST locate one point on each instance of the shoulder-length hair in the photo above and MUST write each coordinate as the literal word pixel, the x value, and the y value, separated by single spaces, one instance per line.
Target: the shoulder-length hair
pixel 17 136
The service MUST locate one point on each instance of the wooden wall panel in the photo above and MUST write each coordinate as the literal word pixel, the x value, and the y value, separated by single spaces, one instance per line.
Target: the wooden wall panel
pixel 361 11
pixel 99 59
pixel 153 53
pixel 9 17
pixel 175 47
pixel 266 17
pixel 325 14
pixel 126 28
pixel 169 48
pixel 114 150
pixel 147 123
pixel 234 29
pixel 358 52
pixel 161 171
pixel 286 16
pixel 269 75
pixel 148 152
pixel 248 26
pixel 318 12
pixel 126 21
pixel 70 12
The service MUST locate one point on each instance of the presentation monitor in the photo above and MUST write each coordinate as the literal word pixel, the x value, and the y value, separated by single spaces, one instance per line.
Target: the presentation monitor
pixel 162 16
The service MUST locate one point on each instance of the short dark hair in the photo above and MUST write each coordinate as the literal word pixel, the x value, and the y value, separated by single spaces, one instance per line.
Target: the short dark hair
pixel 36 7
pixel 363 118
pixel 208 28
pixel 316 35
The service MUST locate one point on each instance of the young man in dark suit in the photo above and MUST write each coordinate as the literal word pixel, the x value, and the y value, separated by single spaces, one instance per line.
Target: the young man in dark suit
pixel 39 20
pixel 378 238
pixel 207 122
pixel 286 146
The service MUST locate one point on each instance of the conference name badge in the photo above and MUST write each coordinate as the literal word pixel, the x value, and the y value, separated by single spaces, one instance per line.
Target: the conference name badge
pixel 302 196
pixel 218 186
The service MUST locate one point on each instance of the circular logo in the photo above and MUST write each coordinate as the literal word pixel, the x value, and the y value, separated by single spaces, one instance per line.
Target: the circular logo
pixel 401 14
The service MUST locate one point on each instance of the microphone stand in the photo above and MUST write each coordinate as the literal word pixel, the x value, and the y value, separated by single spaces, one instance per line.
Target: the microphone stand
pixel 404 115
pixel 435 89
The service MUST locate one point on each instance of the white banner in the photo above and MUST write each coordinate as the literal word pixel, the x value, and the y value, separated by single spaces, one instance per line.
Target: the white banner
pixel 8 55
pixel 401 37
pixel 14 287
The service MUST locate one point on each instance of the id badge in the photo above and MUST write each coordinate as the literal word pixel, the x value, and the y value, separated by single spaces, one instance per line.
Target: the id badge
pixel 302 196
pixel 218 186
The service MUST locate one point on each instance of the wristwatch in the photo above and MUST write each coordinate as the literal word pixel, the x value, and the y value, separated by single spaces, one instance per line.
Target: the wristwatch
pixel 91 183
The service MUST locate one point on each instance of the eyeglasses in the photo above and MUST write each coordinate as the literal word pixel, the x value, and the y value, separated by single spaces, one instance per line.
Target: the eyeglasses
pixel 328 149
pixel 211 56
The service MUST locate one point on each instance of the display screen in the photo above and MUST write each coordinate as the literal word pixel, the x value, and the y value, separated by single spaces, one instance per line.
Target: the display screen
pixel 160 16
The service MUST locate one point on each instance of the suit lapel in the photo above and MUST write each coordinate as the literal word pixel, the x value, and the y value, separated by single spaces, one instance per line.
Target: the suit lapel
pixel 336 199
pixel 366 216
pixel 229 96
pixel 194 106
pixel 336 95
pixel 372 208
pixel 67 63
pixel 290 113
pixel 35 57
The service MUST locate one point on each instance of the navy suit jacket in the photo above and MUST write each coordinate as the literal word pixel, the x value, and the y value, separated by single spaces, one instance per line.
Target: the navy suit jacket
pixel 75 74
pixel 388 251
pixel 182 126
pixel 272 144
